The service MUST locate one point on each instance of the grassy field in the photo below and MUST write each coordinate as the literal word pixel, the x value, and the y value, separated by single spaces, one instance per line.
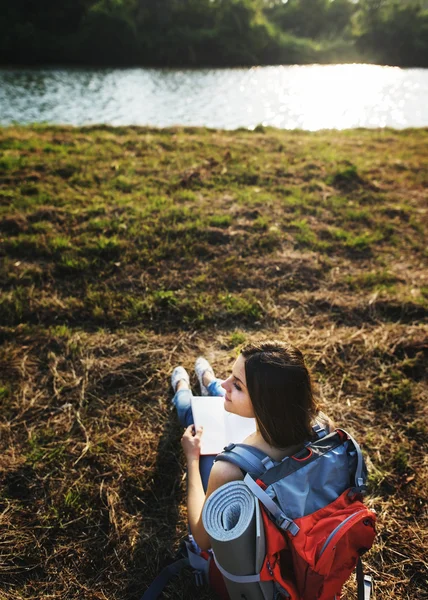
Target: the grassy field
pixel 127 251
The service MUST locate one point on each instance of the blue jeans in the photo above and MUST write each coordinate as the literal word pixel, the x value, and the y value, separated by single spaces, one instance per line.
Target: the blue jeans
pixel 181 401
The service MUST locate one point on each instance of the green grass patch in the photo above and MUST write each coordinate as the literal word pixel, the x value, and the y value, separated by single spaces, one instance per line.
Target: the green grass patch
pixel 127 251
pixel 45 449
pixel 4 391
pixel 242 306
pixel 378 280
pixel 14 304
pixel 237 338
pixel 103 247
pixel 71 264
pixel 359 242
pixel 220 220
pixel 396 395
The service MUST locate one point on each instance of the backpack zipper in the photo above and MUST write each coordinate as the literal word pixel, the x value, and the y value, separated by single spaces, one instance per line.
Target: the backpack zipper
pixel 338 528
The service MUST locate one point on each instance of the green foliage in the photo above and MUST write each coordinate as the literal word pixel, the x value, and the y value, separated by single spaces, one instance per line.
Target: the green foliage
pixel 212 32
pixel 393 32
pixel 313 18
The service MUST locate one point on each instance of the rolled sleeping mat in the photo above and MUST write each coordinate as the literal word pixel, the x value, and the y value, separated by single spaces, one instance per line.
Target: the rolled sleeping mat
pixel 232 518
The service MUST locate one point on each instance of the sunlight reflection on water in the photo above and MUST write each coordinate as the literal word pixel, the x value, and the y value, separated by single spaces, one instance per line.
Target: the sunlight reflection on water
pixel 308 97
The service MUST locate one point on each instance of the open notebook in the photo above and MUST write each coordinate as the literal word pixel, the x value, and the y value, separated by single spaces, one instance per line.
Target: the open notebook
pixel 220 427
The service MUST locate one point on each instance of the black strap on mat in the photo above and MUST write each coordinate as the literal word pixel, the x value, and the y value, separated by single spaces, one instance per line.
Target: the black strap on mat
pixel 364 583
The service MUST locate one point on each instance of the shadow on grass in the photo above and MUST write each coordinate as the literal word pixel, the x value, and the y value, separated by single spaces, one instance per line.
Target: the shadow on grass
pixel 161 516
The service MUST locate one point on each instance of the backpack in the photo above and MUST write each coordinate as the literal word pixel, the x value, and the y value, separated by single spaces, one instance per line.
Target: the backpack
pixel 316 525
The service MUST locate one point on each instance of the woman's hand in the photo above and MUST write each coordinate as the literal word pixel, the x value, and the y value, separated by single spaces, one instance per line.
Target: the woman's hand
pixel 191 442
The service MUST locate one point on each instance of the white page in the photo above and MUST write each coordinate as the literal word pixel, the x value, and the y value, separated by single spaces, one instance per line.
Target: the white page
pixel 238 428
pixel 220 427
pixel 208 412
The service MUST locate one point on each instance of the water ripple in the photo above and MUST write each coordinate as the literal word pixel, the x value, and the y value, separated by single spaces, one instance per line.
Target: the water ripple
pixel 308 97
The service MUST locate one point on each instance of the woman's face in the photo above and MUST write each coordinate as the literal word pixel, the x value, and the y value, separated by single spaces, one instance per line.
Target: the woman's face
pixel 237 399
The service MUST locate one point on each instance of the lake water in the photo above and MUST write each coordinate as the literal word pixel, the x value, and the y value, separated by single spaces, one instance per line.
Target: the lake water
pixel 308 97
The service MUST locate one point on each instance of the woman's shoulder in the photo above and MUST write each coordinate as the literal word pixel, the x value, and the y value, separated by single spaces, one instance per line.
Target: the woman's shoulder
pixel 223 472
pixel 226 470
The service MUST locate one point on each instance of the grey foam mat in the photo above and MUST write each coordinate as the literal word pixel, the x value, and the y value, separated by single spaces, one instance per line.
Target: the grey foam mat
pixel 232 519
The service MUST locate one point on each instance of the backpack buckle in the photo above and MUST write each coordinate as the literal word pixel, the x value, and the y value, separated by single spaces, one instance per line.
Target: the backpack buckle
pixel 229 447
pixel 357 493
pixel 319 431
pixel 199 578
pixel 287 524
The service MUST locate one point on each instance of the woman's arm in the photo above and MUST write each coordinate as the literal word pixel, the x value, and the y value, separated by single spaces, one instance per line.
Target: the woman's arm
pixel 221 473
pixel 195 504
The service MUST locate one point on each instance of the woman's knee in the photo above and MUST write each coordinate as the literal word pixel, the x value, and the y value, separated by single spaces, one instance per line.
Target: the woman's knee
pixel 214 388
pixel 182 402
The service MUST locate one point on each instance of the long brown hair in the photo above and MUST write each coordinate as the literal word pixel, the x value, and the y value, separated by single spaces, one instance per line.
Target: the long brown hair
pixel 280 388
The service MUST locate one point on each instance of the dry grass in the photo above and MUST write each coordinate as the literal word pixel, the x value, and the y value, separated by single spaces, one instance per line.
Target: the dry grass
pixel 128 251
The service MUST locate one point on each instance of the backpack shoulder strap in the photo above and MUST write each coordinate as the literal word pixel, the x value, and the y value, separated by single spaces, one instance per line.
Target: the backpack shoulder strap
pixel 360 483
pixel 198 563
pixel 252 460
pixel 249 459
pixel 157 586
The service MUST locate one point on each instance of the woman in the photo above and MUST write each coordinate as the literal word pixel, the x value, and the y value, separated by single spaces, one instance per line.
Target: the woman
pixel 269 381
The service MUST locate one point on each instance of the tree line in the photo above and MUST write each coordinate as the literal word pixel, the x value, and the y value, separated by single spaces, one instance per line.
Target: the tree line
pixel 213 32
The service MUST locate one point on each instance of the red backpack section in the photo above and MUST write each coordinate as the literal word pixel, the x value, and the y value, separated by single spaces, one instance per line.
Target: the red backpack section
pixel 324 552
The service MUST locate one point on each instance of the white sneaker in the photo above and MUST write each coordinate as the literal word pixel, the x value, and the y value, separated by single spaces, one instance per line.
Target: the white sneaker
pixel 178 374
pixel 202 365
